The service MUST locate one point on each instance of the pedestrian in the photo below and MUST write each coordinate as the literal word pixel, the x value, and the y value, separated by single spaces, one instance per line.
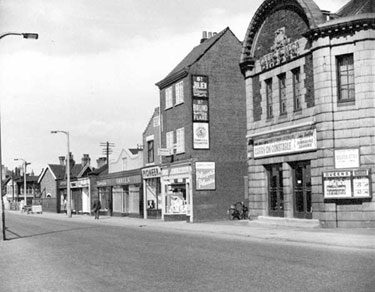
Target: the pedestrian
pixel 244 212
pixel 96 208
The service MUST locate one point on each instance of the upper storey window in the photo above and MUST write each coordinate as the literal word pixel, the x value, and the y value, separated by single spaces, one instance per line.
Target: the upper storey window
pixel 345 78
pixel 269 97
pixel 168 97
pixel 179 89
pixel 282 93
pixel 297 89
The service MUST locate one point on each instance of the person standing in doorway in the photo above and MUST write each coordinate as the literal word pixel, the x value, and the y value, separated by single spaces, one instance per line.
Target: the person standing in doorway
pixel 96 208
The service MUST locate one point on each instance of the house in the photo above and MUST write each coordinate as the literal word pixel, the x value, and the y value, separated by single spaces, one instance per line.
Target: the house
pixel 310 112
pixel 203 129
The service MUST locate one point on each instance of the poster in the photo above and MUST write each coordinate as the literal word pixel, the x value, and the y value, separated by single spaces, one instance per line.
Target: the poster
pixel 205 176
pixel 201 136
pixel 200 86
pixel 200 110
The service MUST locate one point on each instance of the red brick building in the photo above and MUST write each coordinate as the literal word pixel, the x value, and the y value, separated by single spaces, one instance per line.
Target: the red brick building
pixel 203 129
pixel 310 112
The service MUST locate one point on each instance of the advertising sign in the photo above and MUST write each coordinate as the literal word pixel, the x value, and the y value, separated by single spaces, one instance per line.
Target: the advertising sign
pixel 205 176
pixel 200 86
pixel 200 110
pixel 295 142
pixel 201 136
pixel 347 184
pixel 346 158
pixel 151 172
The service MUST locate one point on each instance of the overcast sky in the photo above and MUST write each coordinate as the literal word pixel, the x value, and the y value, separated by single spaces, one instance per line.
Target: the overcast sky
pixel 93 70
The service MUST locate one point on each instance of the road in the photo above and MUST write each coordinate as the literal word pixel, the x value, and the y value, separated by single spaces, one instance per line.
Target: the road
pixel 61 255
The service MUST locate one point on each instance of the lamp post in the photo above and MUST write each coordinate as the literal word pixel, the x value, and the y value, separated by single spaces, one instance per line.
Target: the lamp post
pixel 25 35
pixel 69 204
pixel 25 163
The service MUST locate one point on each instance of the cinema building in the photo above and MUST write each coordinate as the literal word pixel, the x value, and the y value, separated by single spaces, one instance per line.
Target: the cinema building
pixel 310 87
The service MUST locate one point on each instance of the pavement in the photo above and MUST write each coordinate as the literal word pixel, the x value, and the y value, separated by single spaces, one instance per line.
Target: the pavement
pixel 259 230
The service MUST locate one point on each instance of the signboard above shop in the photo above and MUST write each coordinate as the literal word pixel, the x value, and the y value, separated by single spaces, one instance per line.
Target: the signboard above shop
pixel 295 142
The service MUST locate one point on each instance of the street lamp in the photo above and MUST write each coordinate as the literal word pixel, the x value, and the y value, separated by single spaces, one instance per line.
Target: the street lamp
pixel 25 36
pixel 69 204
pixel 24 177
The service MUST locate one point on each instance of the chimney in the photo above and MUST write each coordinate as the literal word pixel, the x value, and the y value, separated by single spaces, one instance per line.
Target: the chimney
pixel 209 34
pixel 62 160
pixel 101 161
pixel 71 161
pixel 204 36
pixel 85 159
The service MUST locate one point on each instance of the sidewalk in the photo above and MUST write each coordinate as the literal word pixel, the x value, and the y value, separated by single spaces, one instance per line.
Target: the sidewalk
pixel 359 238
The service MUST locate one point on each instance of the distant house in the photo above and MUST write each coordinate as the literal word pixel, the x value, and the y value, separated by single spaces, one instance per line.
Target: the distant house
pixel 14 188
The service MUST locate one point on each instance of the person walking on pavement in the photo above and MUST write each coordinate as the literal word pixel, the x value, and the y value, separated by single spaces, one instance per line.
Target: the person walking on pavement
pixel 96 208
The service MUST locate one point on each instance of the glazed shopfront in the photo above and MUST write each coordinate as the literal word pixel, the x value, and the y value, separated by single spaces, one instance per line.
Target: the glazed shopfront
pixel 121 193
pixel 177 194
pixel 152 192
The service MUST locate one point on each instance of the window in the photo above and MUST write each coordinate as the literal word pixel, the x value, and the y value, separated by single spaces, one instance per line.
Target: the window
pixel 282 93
pixel 180 137
pixel 179 90
pixel 168 98
pixel 269 97
pixel 150 151
pixel 345 77
pixel 297 89
pixel 169 140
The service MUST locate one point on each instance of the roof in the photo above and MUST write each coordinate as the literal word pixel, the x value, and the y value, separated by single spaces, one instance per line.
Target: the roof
pixel 100 171
pixel 355 7
pixel 58 170
pixel 135 151
pixel 195 55
pixel 155 113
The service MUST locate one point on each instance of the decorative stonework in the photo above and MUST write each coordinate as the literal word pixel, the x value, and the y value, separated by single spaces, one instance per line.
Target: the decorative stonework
pixel 282 50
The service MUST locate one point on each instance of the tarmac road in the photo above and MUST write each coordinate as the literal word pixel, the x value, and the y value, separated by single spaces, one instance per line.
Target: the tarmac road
pixel 55 253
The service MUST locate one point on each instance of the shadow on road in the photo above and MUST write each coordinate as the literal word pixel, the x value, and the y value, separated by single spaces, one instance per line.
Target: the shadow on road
pixel 18 236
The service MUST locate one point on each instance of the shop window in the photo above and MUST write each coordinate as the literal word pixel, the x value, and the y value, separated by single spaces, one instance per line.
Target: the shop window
pixel 180 137
pixel 297 89
pixel 345 78
pixel 150 151
pixel 176 200
pixel 269 97
pixel 168 98
pixel 179 90
pixel 282 93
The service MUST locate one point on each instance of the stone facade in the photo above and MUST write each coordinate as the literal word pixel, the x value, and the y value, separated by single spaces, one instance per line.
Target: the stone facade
pixel 298 158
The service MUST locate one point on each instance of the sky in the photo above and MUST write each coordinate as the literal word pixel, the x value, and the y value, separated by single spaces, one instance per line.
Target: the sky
pixel 93 70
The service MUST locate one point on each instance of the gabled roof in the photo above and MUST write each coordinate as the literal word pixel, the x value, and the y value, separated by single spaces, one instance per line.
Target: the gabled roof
pixel 155 113
pixel 355 7
pixel 181 70
pixel 85 170
pixel 100 171
pixel 57 171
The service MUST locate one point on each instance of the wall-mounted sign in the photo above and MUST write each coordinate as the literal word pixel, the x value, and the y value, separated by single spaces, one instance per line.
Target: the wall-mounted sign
pixel 200 86
pixel 205 176
pixel 164 151
pixel 135 179
pixel 200 110
pixel 347 184
pixel 346 158
pixel 201 136
pixel 151 172
pixel 295 142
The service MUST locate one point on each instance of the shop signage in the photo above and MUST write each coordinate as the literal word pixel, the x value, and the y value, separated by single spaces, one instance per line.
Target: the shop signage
pixel 347 184
pixel 200 110
pixel 80 183
pixel 205 176
pixel 347 158
pixel 164 152
pixel 136 179
pixel 151 172
pixel 201 136
pixel 295 142
pixel 282 50
pixel 200 86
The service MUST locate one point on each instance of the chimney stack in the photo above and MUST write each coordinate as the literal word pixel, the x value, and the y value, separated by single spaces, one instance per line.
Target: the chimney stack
pixel 101 161
pixel 85 159
pixel 204 36
pixel 62 160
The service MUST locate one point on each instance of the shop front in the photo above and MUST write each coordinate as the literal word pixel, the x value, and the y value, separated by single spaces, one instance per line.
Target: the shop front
pixel 81 196
pixel 121 194
pixel 282 163
pixel 176 185
pixel 152 192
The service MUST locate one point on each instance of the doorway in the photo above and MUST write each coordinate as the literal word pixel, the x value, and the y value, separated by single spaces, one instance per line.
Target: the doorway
pixel 275 190
pixel 302 189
